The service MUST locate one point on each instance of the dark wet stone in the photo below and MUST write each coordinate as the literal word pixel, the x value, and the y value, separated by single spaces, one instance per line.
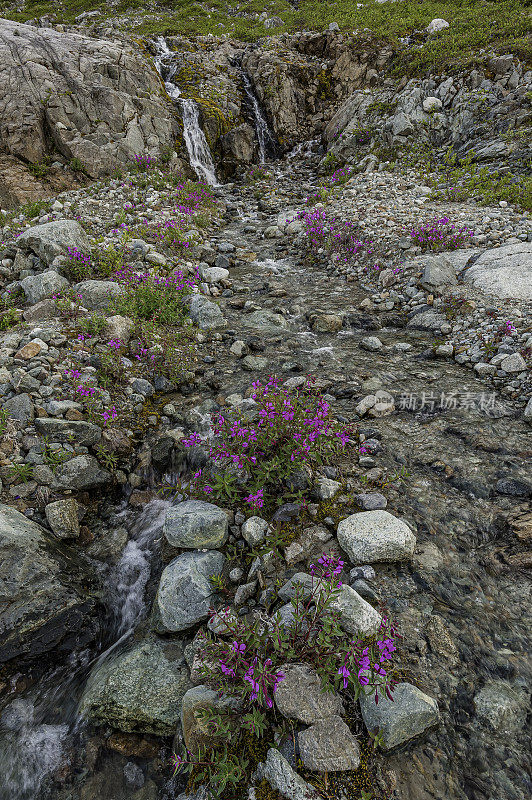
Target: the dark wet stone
pixel 513 487
pixel 286 512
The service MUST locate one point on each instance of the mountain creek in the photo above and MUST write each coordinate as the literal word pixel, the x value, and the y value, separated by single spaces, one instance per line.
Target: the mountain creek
pixel 92 674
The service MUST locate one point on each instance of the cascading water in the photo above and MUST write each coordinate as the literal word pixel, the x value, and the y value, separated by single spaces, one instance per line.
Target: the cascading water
pixel 37 731
pixel 199 154
pixel 264 136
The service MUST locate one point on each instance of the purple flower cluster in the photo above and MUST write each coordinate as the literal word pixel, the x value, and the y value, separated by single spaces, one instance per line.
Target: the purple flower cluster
pixel 292 429
pixel 440 234
pixel 144 162
pixel 332 235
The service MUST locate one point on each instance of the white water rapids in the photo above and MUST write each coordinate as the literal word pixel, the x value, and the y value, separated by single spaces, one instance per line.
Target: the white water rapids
pixel 36 731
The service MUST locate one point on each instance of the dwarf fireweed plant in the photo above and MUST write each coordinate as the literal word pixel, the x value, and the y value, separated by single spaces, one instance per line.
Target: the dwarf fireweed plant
pixel 144 162
pixel 246 667
pixel 148 296
pixel 332 236
pixel 440 234
pixel 291 431
pixel 340 176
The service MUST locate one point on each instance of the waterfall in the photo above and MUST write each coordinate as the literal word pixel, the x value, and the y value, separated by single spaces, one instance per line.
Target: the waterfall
pixel 199 154
pixel 264 135
pixel 37 731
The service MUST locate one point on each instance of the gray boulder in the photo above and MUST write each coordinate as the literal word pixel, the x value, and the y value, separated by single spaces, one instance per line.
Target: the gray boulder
pixel 375 536
pixel 254 530
pixel 205 313
pixel 52 239
pixel 409 714
pixel 196 525
pixel 329 746
pixel 96 295
pixel 65 430
pixel 43 605
pixel 185 592
pixel 504 272
pixel 300 696
pixel 438 274
pixel 81 473
pixel 46 284
pixel 139 690
pixel 280 775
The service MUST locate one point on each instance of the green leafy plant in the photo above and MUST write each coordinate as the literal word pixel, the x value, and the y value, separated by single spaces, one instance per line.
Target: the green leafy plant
pixel 21 472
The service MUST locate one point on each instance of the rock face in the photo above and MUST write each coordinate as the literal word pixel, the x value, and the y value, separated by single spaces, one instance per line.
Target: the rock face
pixel 42 607
pixel 195 525
pixel 185 592
pixel 504 272
pixel 375 536
pixel 97 101
pixel 409 714
pixel 140 690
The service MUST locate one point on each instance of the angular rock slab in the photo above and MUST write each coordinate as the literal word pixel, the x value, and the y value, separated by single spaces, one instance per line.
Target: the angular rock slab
pixel 42 604
pixel 375 536
pixel 196 525
pixel 299 695
pixel 185 592
pixel 504 272
pixel 409 714
pixel 280 775
pixel 52 239
pixel 329 746
pixel 139 690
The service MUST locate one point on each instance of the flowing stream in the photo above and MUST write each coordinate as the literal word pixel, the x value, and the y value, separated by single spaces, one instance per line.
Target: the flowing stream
pixel 199 154
pixel 264 136
pixel 36 731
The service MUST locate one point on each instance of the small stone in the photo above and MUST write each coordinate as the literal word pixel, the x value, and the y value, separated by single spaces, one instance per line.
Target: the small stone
pixel 513 363
pixel 372 501
pixel 62 516
pixel 431 104
pixel 502 707
pixel 31 350
pixel 371 343
pixel 254 530
pixel 326 488
pixel 436 25
pixel 280 775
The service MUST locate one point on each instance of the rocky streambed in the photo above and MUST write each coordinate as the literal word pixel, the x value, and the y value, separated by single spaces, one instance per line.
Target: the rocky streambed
pixel 106 585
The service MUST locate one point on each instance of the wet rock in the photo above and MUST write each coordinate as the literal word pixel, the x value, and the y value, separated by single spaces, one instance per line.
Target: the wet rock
pixel 96 295
pixel 502 707
pixel 42 604
pixel 328 746
pixel 63 519
pixel 39 287
pixel 280 775
pixel 409 714
pixel 326 323
pixel 64 430
pixel 371 343
pixel 356 615
pixel 254 363
pixel 206 314
pixel 504 272
pixel 375 536
pixel 199 698
pixel 54 238
pixel 513 487
pixel 528 411
pixel 185 592
pixel 139 690
pixel 300 696
pixel 195 524
pixel 265 320
pixel 81 473
pixel 383 406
